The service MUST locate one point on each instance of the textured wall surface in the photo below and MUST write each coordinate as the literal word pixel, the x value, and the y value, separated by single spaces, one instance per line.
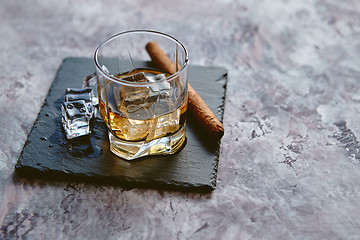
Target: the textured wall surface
pixel 290 157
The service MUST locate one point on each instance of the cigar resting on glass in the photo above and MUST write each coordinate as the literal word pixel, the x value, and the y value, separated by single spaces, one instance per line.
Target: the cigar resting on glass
pixel 196 105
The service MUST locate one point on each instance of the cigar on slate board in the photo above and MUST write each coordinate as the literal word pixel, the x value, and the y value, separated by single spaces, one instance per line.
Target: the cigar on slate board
pixel 197 107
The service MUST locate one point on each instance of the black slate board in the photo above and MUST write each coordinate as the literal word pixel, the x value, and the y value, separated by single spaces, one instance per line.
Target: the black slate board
pixel 48 154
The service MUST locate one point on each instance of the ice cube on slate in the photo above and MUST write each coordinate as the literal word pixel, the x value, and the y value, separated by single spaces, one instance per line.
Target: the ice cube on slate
pixel 90 82
pixel 75 118
pixel 86 94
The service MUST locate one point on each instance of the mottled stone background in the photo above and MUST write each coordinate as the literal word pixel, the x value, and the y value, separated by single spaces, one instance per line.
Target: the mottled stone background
pixel 290 157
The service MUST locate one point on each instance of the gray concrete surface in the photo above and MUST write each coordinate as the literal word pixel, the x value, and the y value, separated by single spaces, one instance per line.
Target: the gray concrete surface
pixel 289 162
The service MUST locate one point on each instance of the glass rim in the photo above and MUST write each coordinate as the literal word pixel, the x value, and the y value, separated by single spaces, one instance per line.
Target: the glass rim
pixel 121 80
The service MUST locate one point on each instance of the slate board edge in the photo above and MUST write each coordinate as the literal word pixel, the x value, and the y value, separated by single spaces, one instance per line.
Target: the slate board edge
pixel 31 173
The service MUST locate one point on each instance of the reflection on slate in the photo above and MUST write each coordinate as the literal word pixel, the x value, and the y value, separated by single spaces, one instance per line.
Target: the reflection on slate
pixel 47 153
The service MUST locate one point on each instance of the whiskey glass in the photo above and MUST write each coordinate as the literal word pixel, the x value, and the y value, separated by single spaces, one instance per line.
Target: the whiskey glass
pixel 144 107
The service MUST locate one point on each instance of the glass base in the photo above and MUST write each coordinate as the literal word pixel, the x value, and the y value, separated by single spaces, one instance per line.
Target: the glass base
pixel 160 146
